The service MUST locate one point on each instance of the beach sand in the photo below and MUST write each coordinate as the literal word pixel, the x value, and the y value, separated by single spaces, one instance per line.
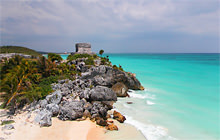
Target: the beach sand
pixel 26 129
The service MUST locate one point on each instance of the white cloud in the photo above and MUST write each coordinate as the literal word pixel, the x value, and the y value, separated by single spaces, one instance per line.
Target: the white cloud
pixel 55 17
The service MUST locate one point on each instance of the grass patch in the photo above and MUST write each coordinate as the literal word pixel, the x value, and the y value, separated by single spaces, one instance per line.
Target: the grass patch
pixel 7 122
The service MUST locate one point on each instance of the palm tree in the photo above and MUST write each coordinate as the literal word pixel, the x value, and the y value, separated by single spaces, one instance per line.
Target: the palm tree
pixel 101 52
pixel 19 79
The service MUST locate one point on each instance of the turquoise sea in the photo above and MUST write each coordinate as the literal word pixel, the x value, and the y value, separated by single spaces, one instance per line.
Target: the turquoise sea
pixel 181 99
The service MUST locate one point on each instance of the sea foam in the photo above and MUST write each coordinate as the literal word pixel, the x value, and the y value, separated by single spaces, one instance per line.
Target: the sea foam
pixel 151 132
pixel 150 102
pixel 144 95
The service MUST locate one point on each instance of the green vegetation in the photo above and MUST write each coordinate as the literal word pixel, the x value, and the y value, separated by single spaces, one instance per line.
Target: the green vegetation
pixel 101 52
pixel 119 68
pixel 18 49
pixel 89 58
pixel 7 122
pixel 25 80
pixel 54 57
pixel 76 56
pixel 89 61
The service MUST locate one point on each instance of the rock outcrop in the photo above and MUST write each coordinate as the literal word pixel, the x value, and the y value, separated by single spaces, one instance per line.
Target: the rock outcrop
pixel 118 116
pixel 101 93
pixel 108 76
pixel 90 95
pixel 112 127
pixel 120 89
pixel 44 118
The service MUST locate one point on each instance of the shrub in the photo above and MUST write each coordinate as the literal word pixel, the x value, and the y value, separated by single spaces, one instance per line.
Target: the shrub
pixel 7 122
pixel 53 57
pixel 75 56
pixel 119 68
pixel 101 52
pixel 89 61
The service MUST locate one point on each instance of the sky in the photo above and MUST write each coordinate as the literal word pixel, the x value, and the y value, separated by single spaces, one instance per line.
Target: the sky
pixel 116 26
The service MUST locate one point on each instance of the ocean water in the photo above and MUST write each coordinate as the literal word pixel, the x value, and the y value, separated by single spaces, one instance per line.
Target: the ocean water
pixel 181 99
pixel 64 56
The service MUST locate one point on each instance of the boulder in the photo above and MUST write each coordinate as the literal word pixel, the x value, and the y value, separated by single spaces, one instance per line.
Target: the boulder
pixel 8 127
pixel 71 110
pixel 101 93
pixel 118 116
pixel 87 106
pixel 53 108
pixel 65 91
pixel 43 103
pixel 44 118
pixel 120 89
pixel 85 94
pixel 129 102
pixel 99 110
pixel 101 121
pixel 112 127
pixel 54 97
pixel 86 114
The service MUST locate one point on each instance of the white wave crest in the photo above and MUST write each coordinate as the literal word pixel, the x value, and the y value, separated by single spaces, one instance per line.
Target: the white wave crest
pixel 150 103
pixel 151 132
pixel 145 95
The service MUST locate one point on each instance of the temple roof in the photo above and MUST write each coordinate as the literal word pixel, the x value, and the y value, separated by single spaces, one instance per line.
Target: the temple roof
pixel 83 45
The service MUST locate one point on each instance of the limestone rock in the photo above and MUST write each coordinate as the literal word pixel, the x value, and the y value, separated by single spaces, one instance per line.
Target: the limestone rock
pixel 99 110
pixel 118 116
pixel 53 108
pixel 43 103
pixel 101 121
pixel 108 76
pixel 8 127
pixel 101 93
pixel 71 110
pixel 55 97
pixel 120 89
pixel 112 127
pixel 86 114
pixel 44 118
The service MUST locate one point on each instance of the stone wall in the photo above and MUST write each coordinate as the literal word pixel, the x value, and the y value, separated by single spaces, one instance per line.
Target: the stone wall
pixel 82 48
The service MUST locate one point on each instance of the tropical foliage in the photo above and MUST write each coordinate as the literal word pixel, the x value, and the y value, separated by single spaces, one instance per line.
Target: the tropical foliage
pixel 54 57
pixel 76 56
pixel 101 52
pixel 25 80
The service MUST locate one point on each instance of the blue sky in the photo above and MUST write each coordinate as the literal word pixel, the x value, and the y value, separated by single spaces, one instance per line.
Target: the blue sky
pixel 163 26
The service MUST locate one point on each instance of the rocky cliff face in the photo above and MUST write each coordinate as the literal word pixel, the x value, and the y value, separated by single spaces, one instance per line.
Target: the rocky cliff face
pixel 108 76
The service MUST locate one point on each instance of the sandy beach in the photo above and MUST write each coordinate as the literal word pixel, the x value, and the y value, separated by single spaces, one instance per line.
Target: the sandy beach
pixel 26 129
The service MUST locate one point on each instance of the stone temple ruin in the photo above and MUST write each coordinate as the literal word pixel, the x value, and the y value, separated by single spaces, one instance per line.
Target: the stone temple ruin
pixel 83 48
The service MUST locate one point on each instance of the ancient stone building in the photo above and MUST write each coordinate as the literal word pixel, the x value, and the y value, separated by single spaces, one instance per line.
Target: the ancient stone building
pixel 82 48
